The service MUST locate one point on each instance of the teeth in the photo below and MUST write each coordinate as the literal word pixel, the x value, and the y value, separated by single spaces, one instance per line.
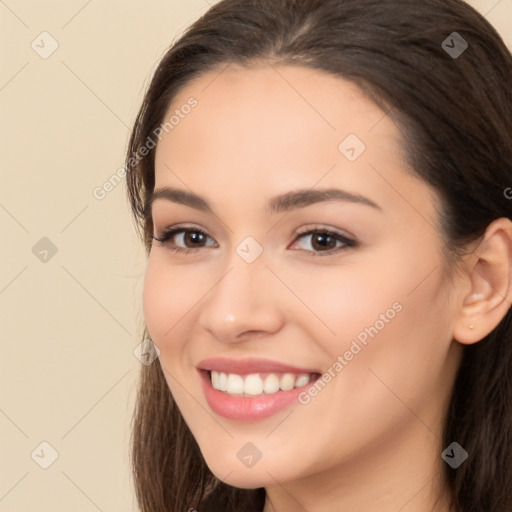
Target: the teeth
pixel 215 380
pixel 254 385
pixel 223 382
pixel 235 384
pixel 302 381
pixel 287 382
pixel 271 384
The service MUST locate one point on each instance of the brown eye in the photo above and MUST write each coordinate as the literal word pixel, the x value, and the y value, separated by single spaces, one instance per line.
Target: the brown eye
pixel 191 238
pixel 323 242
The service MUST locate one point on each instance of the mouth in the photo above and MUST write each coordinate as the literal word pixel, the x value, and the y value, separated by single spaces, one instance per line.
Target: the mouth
pixel 252 389
pixel 257 384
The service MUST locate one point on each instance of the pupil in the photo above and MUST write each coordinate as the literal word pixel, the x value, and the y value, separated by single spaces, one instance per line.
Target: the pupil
pixel 322 239
pixel 194 235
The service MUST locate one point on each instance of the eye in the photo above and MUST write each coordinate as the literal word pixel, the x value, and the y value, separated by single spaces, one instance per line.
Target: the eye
pixel 323 241
pixel 193 235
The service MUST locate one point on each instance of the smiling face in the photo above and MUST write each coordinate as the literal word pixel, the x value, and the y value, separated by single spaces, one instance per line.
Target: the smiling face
pixel 367 304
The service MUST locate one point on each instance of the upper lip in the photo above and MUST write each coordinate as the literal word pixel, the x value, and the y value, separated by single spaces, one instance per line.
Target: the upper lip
pixel 249 365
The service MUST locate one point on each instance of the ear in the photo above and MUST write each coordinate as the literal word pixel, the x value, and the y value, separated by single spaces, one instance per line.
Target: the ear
pixel 488 276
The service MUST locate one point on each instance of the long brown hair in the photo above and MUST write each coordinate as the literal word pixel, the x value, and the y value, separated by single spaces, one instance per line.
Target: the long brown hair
pixel 455 115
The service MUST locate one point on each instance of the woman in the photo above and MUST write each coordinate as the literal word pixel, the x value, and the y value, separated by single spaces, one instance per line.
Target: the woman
pixel 323 190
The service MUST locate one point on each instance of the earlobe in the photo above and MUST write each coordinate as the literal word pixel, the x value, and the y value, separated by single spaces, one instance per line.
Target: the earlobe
pixel 489 271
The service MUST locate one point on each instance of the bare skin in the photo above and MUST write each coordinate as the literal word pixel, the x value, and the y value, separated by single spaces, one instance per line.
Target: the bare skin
pixel 371 439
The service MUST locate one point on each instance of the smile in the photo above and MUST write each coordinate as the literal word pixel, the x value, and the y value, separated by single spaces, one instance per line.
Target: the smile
pixel 256 384
pixel 252 389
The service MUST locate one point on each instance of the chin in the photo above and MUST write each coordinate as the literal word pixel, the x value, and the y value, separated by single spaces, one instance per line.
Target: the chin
pixel 263 473
pixel 245 479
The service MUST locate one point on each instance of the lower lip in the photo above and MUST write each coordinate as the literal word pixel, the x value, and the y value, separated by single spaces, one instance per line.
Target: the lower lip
pixel 248 408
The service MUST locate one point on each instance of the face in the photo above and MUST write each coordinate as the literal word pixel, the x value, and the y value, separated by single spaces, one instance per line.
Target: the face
pixel 325 319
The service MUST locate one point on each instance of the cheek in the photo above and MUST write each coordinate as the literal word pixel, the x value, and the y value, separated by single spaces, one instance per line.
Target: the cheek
pixel 166 300
pixel 403 353
pixel 338 303
pixel 153 298
pixel 394 317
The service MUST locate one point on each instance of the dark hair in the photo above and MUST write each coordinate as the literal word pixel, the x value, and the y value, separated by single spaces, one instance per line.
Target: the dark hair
pixel 455 115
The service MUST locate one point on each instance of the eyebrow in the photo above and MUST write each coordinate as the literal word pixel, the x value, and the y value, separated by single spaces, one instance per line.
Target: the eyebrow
pixel 283 203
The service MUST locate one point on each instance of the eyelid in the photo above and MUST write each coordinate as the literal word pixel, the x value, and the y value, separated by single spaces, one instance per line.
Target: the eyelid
pixel 169 233
pixel 343 233
pixel 348 241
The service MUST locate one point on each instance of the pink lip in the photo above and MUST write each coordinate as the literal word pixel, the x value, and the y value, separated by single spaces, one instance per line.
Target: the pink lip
pixel 251 365
pixel 248 408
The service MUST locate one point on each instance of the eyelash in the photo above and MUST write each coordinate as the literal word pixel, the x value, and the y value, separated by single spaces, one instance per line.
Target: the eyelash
pixel 348 243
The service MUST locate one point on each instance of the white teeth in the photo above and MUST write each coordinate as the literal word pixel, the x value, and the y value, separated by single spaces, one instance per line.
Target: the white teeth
pixel 223 381
pixel 287 382
pixel 271 384
pixel 235 384
pixel 301 381
pixel 253 384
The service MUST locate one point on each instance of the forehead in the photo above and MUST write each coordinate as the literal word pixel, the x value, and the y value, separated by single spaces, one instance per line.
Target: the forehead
pixel 250 105
pixel 288 126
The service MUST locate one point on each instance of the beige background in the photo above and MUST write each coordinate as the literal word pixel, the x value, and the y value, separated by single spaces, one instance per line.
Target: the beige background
pixel 70 324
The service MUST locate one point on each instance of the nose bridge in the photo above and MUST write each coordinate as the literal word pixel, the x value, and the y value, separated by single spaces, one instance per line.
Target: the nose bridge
pixel 242 298
pixel 244 267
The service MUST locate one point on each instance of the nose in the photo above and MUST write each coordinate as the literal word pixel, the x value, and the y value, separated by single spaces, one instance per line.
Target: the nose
pixel 243 304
